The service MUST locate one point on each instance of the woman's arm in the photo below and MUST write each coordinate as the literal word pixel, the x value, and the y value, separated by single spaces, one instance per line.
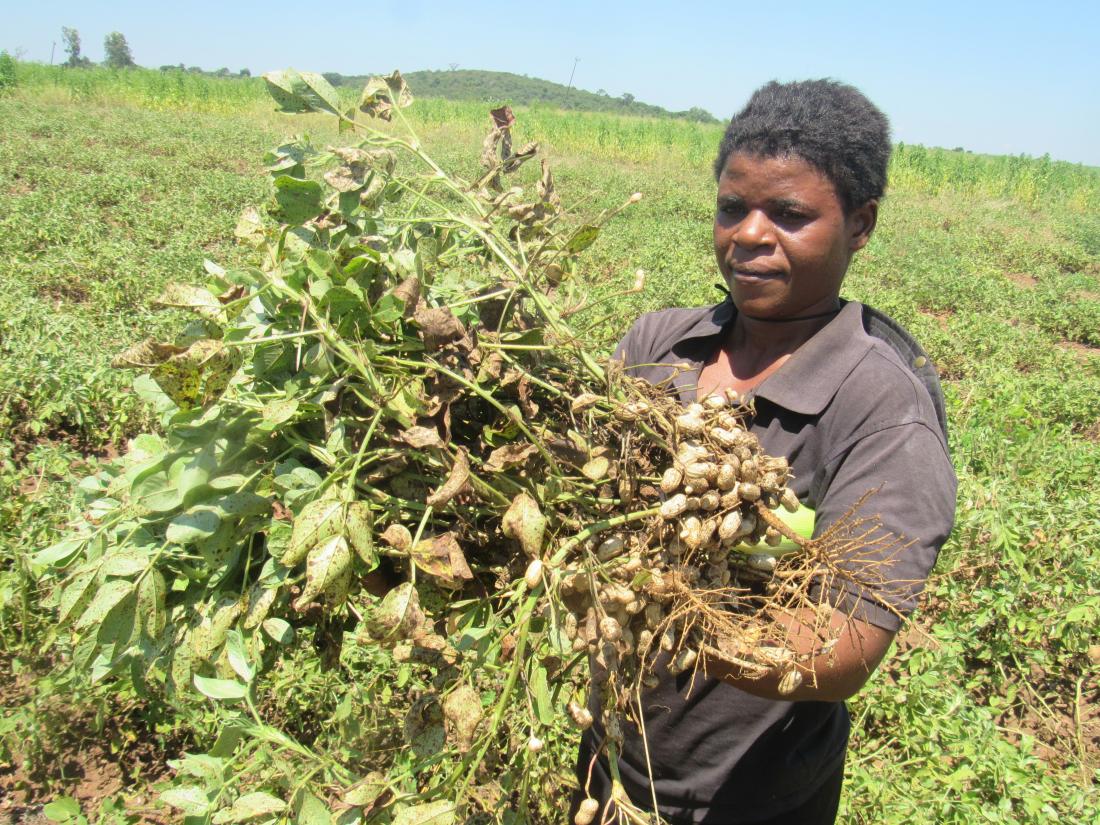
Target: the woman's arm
pixel 833 677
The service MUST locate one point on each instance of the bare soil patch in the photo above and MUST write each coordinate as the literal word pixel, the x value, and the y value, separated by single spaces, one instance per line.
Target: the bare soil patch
pixel 76 757
pixel 1083 352
pixel 1022 279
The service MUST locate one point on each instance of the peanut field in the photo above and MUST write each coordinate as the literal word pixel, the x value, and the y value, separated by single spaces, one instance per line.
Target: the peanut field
pixel 114 185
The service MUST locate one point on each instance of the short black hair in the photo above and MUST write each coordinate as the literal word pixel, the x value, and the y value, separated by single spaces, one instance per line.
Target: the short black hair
pixel 830 125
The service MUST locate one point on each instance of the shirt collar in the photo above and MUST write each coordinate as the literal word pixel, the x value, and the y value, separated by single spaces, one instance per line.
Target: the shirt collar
pixel 809 379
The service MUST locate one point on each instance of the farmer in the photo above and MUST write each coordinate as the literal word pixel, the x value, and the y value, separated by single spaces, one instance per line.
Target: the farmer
pixel 852 401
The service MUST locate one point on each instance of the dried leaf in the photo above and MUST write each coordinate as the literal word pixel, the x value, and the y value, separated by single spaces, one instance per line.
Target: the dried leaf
pixel 462 713
pixel 510 455
pixel 146 355
pixel 381 94
pixel 524 521
pixel 398 537
pixel 456 480
pixel 438 326
pixel 502 117
pixel 420 437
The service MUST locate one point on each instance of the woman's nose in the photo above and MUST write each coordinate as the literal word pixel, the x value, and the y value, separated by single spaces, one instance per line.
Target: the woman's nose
pixel 754 230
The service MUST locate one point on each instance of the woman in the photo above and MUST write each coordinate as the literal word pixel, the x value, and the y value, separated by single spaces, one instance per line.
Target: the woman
pixel 841 391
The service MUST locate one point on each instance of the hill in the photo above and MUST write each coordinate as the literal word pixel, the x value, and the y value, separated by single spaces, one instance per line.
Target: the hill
pixel 520 90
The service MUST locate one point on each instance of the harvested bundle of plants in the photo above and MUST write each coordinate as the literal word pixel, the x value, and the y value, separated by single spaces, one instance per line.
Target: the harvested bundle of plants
pixel 385 437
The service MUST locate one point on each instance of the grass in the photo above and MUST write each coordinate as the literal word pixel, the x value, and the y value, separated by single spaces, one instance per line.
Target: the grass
pixel 113 184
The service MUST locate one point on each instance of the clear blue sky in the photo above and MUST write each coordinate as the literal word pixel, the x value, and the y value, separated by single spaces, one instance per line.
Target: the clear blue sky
pixel 1003 77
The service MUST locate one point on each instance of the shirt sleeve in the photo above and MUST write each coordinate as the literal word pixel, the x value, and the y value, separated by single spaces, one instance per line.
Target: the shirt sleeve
pixel 900 481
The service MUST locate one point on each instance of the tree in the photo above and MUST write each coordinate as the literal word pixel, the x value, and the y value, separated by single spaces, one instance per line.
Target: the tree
pixel 244 73
pixel 72 46
pixel 627 98
pixel 117 51
pixel 7 73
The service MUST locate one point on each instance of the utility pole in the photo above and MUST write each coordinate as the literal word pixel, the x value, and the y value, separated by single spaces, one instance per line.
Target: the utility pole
pixel 576 60
pixel 52 47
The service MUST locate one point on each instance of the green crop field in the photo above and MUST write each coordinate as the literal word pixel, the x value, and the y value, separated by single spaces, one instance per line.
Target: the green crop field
pixel 112 185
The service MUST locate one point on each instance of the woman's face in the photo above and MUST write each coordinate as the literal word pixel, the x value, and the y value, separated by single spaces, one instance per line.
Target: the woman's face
pixel 781 237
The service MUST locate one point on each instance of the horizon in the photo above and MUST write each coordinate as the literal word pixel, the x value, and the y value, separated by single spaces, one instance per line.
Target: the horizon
pixel 999 80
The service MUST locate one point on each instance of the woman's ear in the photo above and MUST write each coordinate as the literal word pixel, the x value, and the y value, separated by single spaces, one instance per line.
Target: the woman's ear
pixel 861 223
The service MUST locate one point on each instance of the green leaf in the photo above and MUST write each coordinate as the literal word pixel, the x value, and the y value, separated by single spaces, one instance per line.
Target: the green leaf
pixel 126 563
pixel 297 92
pixel 238 655
pixel 544 707
pixel 192 526
pixel 283 87
pixel 312 811
pixel 210 769
pixel 63 809
pixel 189 799
pixel 109 595
pixel 220 689
pixel 250 806
pixel 75 595
pixel 276 412
pixel 430 813
pixel 279 630
pixel 583 238
pixel 56 555
pixel 299 200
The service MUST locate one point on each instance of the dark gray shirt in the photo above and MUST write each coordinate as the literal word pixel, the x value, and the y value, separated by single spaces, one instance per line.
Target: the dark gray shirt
pixel 856 408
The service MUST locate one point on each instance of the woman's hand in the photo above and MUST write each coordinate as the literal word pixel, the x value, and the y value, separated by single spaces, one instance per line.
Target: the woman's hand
pixel 839 674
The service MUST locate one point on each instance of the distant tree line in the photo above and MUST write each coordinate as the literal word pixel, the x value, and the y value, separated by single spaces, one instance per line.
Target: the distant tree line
pixel 116 51
pixel 505 87
pixel 117 55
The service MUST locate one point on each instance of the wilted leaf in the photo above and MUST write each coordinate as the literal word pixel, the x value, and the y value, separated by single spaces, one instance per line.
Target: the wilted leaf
pixel 146 355
pixel 359 528
pixel 249 229
pixel 398 537
pixel 429 813
pixel 250 806
pixel 442 558
pixel 326 564
pixel 398 617
pixel 197 375
pixel 318 520
pixel 194 298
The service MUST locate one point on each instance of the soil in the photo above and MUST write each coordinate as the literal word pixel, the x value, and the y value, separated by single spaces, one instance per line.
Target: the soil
pixel 121 758
pixel 1082 352
pixel 1022 279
